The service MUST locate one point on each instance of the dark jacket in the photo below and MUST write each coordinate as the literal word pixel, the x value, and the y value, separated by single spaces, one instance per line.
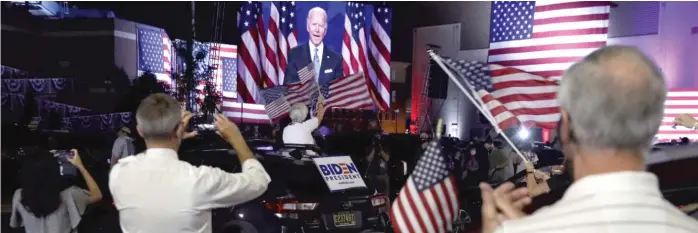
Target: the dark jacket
pixel 299 57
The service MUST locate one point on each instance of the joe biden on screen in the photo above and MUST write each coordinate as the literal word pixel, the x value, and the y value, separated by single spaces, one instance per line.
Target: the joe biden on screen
pixel 314 52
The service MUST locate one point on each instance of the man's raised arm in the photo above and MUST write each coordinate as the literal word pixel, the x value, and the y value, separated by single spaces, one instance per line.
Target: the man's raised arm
pixel 221 189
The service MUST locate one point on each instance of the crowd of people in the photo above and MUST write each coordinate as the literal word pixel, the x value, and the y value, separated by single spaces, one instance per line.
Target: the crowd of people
pixel 611 102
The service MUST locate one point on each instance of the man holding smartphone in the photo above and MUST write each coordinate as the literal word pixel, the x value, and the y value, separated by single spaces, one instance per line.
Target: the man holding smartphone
pixel 156 192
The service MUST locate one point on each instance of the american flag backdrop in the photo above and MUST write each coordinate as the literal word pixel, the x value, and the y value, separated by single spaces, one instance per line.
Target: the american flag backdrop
pixel 678 101
pixel 355 51
pixel 251 25
pixel 428 202
pixel 155 53
pixel 379 54
pixel 282 30
pixel 230 107
pixel 354 46
pixel 533 42
pixel 223 60
pixel 269 60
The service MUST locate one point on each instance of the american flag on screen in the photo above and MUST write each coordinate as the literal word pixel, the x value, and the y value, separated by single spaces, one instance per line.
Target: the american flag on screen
pixel 354 48
pixel 249 63
pixel 379 53
pixel 307 74
pixel 155 53
pixel 350 92
pixel 282 33
pixel 535 41
pixel 222 58
pixel 428 202
pixel 678 101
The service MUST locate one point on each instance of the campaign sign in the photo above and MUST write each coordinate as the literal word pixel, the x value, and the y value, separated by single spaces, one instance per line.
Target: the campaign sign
pixel 339 172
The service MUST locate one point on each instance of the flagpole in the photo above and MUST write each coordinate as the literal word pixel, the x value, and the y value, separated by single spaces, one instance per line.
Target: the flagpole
pixel 472 100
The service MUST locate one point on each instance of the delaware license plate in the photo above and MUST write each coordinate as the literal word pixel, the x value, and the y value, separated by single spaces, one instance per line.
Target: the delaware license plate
pixel 343 219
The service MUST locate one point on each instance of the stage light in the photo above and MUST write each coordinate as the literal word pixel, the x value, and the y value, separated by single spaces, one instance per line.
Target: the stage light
pixel 523 133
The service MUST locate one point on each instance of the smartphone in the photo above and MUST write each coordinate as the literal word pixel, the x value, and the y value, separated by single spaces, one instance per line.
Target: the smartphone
pixel 203 124
pixel 67 168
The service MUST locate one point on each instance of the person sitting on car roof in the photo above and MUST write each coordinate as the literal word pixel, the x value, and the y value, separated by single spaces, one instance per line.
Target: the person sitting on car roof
pixel 300 131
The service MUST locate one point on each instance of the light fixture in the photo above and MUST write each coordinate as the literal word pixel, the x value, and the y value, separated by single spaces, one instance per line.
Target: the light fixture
pixel 523 133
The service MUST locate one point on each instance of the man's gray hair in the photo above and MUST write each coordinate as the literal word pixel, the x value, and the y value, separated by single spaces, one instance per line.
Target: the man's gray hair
pixel 298 112
pixel 614 98
pixel 316 10
pixel 158 117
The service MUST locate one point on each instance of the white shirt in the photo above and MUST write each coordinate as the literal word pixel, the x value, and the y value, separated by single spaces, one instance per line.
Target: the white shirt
pixel 301 133
pixel 320 48
pixel 620 202
pixel 155 192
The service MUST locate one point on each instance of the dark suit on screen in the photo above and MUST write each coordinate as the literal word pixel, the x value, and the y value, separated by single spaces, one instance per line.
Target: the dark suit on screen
pixel 299 57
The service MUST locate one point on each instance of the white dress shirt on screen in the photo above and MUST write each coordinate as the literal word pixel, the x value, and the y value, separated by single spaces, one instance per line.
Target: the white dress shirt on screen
pixel 621 202
pixel 155 192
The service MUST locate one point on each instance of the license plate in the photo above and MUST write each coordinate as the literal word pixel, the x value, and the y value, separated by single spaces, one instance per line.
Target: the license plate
pixel 342 219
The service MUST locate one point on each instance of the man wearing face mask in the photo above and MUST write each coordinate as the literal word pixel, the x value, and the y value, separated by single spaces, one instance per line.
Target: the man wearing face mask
pixel 327 63
pixel 611 107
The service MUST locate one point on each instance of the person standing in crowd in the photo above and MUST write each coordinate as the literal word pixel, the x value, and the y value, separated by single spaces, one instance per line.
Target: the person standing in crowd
pixel 475 164
pixel 44 204
pixel 501 167
pixel 611 107
pixel 300 131
pixel 123 145
pixel 377 166
pixel 156 192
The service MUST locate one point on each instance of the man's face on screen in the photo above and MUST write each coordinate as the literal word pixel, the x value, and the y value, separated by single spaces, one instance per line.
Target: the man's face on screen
pixel 317 27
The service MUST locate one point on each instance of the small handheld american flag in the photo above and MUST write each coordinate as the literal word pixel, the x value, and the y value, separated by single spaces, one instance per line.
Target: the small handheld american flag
pixel 429 200
pixel 307 73
pixel 275 102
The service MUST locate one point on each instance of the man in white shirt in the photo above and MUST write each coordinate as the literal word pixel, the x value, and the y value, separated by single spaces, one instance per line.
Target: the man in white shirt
pixel 155 192
pixel 611 107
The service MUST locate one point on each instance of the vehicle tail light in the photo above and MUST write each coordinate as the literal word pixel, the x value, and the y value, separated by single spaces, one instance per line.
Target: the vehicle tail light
pixel 284 205
pixel 379 200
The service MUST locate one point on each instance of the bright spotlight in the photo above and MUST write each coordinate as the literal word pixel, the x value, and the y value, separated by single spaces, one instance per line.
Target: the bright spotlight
pixel 523 133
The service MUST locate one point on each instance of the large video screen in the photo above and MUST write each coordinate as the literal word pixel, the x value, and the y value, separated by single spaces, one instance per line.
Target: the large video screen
pixel 341 38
